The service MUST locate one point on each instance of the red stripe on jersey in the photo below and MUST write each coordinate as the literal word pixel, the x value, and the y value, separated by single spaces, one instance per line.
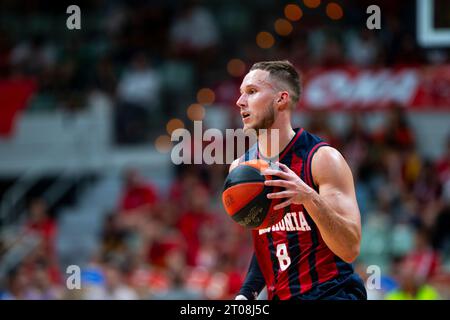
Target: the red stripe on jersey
pixel 296 164
pixel 326 265
pixel 305 243
pixel 308 173
pixel 262 252
pixel 279 237
pixel 282 288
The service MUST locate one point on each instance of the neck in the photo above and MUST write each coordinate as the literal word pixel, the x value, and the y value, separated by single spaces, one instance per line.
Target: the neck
pixel 267 141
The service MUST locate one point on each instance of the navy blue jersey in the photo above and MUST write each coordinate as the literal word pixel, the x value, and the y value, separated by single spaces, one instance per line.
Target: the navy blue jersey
pixel 291 254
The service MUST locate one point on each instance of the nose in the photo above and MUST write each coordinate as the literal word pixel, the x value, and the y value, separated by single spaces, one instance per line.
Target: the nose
pixel 241 101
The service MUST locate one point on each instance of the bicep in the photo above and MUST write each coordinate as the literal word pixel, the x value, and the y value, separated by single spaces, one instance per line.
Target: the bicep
pixel 334 179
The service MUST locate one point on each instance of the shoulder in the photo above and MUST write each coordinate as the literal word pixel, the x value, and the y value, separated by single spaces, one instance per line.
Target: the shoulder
pixel 327 155
pixel 328 164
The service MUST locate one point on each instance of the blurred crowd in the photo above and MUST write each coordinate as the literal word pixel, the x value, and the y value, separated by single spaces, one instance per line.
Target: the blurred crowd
pixel 404 199
pixel 146 60
pixel 154 246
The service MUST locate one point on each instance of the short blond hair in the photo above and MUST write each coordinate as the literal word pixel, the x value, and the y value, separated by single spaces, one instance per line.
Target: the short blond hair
pixel 284 72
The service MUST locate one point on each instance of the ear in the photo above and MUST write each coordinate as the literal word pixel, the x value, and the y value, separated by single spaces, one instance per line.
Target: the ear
pixel 283 100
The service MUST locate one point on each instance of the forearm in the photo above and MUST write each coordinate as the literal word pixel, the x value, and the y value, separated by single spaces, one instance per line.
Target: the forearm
pixel 254 281
pixel 341 234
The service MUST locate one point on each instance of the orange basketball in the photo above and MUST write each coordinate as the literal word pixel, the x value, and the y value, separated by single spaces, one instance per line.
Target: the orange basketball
pixel 244 196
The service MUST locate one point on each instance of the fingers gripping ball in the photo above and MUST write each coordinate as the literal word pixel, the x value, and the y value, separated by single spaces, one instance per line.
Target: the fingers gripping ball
pixel 244 196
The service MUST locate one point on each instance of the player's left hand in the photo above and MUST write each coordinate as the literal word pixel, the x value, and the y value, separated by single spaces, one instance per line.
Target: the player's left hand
pixel 296 190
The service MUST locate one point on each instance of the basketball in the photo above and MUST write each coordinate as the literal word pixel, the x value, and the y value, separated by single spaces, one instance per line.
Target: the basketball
pixel 244 196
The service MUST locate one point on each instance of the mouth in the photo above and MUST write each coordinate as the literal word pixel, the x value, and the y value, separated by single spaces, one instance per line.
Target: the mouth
pixel 245 115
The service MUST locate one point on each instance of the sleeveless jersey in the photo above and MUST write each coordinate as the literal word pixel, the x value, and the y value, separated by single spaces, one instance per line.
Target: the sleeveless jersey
pixel 292 254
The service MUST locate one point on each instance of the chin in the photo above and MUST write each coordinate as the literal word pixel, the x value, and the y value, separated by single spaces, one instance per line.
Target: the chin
pixel 247 128
pixel 253 125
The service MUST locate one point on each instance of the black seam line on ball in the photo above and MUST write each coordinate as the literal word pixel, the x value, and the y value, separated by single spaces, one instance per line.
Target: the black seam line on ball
pixel 243 175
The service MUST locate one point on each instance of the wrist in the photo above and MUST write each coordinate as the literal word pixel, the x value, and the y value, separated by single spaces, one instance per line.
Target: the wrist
pixel 309 195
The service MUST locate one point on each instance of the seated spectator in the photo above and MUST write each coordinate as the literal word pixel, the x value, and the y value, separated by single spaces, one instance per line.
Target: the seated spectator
pixel 363 48
pixel 42 286
pixel 195 35
pixel 113 286
pixel 441 226
pixel 426 188
pixel 193 219
pixel 178 289
pixel 139 94
pixel 187 179
pixel 17 286
pixel 319 125
pixel 356 142
pixel 412 287
pixel 398 134
pixel 138 199
pixel 113 238
pixel 423 259
pixel 160 242
pixel 443 164
pixel 39 260
pixel 41 223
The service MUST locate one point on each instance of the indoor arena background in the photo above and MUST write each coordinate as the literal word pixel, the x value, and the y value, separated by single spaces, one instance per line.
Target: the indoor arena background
pixel 86 177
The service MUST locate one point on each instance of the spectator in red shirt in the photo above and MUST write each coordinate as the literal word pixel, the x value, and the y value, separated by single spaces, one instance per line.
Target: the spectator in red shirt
pixel 42 224
pixel 193 220
pixel 187 180
pixel 424 259
pixel 398 134
pixel 138 199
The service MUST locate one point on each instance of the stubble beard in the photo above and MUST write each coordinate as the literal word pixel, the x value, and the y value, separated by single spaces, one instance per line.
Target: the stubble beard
pixel 266 122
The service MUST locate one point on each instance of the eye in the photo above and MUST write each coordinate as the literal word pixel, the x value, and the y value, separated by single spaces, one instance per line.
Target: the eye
pixel 251 91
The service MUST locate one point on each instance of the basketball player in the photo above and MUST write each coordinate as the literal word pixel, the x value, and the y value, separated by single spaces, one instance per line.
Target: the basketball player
pixel 308 254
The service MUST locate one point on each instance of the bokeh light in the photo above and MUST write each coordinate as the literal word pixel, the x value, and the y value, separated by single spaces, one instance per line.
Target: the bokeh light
pixel 311 3
pixel 236 67
pixel 163 143
pixel 196 112
pixel 265 40
pixel 334 11
pixel 174 124
pixel 283 27
pixel 293 12
pixel 205 96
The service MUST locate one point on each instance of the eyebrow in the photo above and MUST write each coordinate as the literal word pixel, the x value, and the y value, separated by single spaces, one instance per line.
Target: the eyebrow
pixel 248 86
